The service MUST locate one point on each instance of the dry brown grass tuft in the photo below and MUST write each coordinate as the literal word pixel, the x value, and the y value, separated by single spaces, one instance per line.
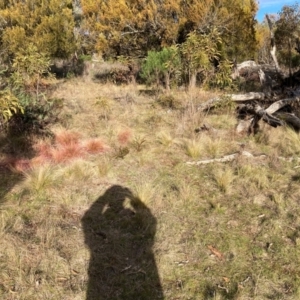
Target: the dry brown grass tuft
pixel 223 178
pixel 165 138
pixel 193 148
pixel 39 179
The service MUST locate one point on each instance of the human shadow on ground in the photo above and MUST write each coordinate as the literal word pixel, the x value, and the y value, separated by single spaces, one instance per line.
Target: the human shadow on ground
pixel 119 231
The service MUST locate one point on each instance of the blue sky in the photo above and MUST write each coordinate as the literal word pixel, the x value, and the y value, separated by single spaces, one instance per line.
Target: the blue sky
pixel 271 7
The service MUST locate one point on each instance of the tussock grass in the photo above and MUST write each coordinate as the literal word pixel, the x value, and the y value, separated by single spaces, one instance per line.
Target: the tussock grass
pixel 206 146
pixel 193 148
pixel 165 138
pixel 79 170
pixel 65 138
pixel 288 143
pixel 145 191
pixel 39 179
pixel 224 179
pixel 216 231
pixel 67 146
pixel 103 166
pixel 214 147
pixel 256 176
pixel 94 146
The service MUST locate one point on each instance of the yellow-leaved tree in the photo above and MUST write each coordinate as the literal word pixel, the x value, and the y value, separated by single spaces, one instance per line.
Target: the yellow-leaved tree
pixel 132 28
pixel 47 24
pixel 32 32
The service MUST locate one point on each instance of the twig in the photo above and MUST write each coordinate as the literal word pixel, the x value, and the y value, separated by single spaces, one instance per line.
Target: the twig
pixel 133 31
pixel 125 269
pixel 256 284
pixel 223 288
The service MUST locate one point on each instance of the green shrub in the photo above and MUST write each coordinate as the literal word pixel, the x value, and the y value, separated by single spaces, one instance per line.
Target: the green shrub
pixel 9 105
pixel 222 78
pixel 161 66
pixel 36 115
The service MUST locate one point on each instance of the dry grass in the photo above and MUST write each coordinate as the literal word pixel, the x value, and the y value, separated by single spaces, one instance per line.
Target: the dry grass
pixel 223 179
pixel 193 148
pixel 112 192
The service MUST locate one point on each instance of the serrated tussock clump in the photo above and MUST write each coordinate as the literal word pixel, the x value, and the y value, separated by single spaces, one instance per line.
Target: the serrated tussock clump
pixel 223 178
pixel 193 148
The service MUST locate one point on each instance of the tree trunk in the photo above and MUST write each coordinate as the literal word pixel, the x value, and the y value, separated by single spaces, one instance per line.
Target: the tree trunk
pixel 193 80
pixel 273 46
pixel 167 81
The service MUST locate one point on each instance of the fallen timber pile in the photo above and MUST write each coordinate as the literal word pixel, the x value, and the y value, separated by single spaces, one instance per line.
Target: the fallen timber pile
pixel 253 107
pixel 277 104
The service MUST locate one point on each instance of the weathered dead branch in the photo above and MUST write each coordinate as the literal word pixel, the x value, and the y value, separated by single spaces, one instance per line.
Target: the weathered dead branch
pixel 235 98
pixel 272 115
pixel 226 158
pixel 282 103
pixel 245 154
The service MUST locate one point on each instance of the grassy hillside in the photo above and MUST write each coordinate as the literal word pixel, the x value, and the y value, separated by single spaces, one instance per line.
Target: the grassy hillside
pixel 108 208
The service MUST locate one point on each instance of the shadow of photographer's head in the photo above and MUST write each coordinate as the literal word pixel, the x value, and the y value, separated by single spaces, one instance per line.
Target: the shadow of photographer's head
pixel 115 197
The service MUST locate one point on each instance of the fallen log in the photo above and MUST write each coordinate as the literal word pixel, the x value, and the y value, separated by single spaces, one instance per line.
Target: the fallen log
pixel 266 116
pixel 247 97
pixel 291 120
pixel 282 103
pixel 279 87
pixel 233 97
